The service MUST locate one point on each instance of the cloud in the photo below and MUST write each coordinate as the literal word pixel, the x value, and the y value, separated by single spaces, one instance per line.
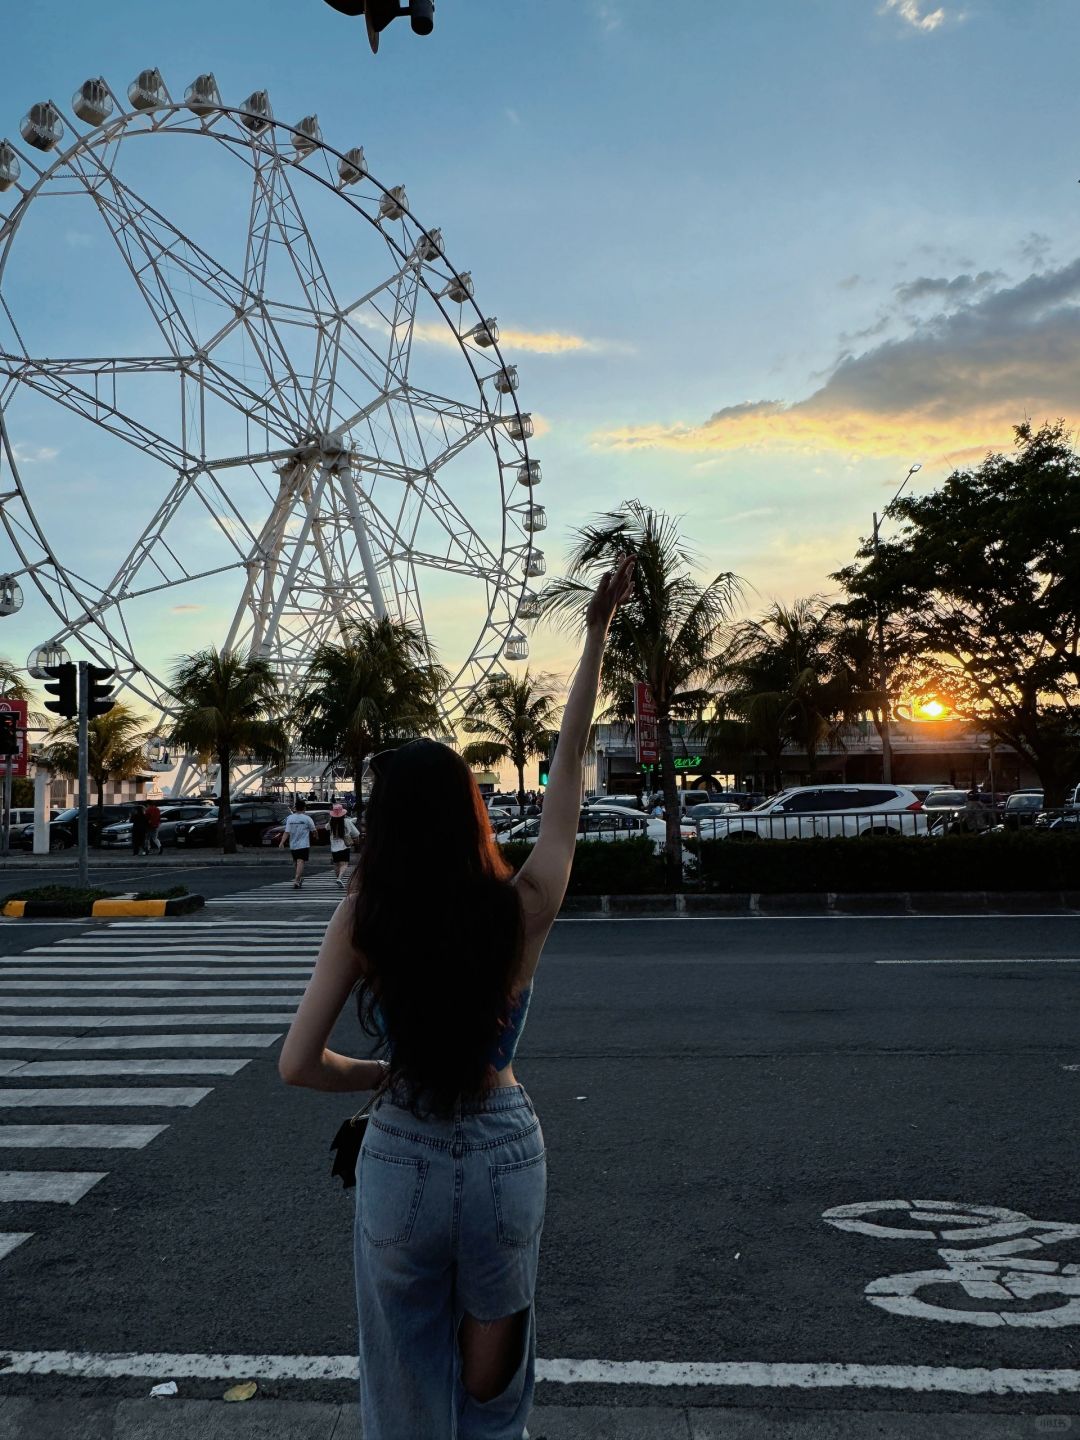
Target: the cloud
pixel 608 16
pixel 948 390
pixel 942 288
pixel 512 115
pixel 740 516
pixel 33 454
pixel 185 609
pixel 911 11
pixel 538 342
pixel 849 282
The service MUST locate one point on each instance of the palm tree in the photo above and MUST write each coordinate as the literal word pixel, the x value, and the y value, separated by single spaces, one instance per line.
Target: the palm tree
pixel 785 678
pixel 12 685
pixel 668 634
pixel 380 686
pixel 116 748
pixel 512 720
pixel 228 708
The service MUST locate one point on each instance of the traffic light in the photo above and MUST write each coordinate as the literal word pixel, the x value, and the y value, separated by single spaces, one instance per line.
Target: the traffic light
pixel 545 767
pixel 9 733
pixel 64 684
pixel 99 698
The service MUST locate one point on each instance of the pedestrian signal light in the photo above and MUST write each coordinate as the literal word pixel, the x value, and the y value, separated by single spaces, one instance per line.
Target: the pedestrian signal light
pixel 9 732
pixel 99 698
pixel 545 770
pixel 62 682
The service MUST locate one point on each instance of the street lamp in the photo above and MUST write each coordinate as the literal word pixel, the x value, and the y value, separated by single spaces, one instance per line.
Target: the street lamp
pixel 886 736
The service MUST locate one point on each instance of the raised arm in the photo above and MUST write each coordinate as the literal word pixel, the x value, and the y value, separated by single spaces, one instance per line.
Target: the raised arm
pixel 543 878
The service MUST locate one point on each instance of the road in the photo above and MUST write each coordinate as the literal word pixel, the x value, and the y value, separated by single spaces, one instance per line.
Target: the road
pixel 708 1090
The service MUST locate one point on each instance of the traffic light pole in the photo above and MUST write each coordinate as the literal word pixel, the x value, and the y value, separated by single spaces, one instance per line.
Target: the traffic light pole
pixel 84 736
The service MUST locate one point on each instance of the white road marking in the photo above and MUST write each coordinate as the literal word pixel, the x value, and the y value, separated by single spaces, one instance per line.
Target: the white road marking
pixel 56 1187
pixel 9 1239
pixel 833 918
pixel 78 1137
pixel 284 1000
pixel 251 969
pixel 81 989
pixel 925 1379
pixel 30 1069
pixel 991 960
pixel 137 1042
pixel 143 1095
pixel 167 952
pixel 105 1022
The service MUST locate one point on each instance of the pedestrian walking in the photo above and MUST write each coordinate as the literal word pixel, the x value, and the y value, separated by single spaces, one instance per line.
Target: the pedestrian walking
pixel 139 830
pixel 440 943
pixel 153 825
pixel 299 831
pixel 343 833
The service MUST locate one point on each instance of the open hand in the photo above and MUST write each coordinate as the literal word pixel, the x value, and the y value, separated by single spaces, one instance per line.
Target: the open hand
pixel 614 588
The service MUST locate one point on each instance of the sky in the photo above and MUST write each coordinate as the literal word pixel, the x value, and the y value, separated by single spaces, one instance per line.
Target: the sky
pixel 753 258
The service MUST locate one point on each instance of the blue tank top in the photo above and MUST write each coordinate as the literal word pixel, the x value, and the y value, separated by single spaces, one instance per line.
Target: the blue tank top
pixel 503 1053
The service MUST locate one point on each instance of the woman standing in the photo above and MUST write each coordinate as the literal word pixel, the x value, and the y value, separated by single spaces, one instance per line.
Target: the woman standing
pixel 342 834
pixel 441 944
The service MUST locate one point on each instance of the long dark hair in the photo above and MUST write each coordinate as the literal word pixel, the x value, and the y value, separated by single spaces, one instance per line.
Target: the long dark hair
pixel 438 925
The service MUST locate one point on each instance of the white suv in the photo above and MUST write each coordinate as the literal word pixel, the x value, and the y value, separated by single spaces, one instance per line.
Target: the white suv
pixel 826 811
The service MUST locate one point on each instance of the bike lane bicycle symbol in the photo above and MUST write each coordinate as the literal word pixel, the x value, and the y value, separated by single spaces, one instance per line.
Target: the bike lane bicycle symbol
pixel 1005 1272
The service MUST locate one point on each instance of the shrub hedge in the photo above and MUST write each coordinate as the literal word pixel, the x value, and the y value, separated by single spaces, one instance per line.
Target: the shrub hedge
pixel 617 867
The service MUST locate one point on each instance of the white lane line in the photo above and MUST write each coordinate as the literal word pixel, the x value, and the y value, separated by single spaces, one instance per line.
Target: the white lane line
pixel 210 927
pixel 47 1097
pixel 927 1379
pixel 168 952
pixel 82 989
pixel 253 970
pixel 52 1187
pixel 91 1043
pixel 9 1239
pixel 105 1022
pixel 832 919
pixel 48 1187
pixel 33 1069
pixel 990 960
pixel 78 1137
pixel 70 1001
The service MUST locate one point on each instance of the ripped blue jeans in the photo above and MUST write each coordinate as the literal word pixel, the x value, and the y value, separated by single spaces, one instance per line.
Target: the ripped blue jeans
pixel 448 1222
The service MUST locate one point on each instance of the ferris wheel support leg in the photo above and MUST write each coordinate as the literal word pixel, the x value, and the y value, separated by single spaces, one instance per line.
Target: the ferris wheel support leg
pixel 184 773
pixel 270 634
pixel 363 543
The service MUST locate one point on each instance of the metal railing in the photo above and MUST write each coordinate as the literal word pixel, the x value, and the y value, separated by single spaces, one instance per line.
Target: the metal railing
pixel 832 825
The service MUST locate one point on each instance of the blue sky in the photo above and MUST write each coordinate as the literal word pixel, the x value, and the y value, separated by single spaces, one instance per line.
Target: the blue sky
pixel 764 254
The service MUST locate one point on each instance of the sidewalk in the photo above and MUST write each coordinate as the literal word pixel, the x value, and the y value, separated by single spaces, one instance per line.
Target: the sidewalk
pixel 176 1419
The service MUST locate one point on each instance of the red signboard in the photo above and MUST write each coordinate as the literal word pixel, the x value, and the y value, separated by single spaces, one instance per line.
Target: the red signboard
pixel 645 734
pixel 18 762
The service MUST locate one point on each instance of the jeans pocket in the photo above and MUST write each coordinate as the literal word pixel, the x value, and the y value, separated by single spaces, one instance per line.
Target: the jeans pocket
pixel 390 1189
pixel 520 1190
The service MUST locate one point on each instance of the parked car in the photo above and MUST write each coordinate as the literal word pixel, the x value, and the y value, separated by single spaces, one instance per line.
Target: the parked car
pixel 118 836
pixel 825 811
pixel 597 822
pixel 1061 821
pixel 606 802
pixel 249 823
pixel 64 827
pixel 321 820
pixel 1021 809
pixel 21 817
pixel 692 819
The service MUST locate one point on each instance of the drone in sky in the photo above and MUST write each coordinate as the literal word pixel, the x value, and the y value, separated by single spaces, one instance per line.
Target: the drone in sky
pixel 379 13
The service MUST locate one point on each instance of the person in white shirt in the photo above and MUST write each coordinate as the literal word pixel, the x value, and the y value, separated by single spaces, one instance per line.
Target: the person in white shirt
pixel 342 834
pixel 299 828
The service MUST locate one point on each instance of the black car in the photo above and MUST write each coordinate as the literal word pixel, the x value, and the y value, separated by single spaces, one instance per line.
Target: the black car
pixel 250 821
pixel 64 830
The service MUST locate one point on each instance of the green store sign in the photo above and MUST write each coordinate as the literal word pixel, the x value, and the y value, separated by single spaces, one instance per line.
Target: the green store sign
pixel 687 762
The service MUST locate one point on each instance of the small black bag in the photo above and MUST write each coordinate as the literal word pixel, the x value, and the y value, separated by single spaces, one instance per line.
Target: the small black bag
pixel 347 1144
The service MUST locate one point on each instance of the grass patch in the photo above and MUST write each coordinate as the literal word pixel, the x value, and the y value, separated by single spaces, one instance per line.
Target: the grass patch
pixel 72 894
pixel 173 893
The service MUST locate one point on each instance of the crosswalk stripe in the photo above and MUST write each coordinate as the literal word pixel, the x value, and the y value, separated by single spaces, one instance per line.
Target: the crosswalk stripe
pixel 9 1240
pixel 168 952
pixel 250 970
pixel 78 1137
pixel 54 1097
pixel 179 1065
pixel 141 1002
pixel 54 1187
pixel 127 1022
pixel 90 1043
pixel 82 987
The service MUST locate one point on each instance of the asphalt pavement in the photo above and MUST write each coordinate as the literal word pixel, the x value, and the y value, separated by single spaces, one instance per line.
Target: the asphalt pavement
pixel 773 1145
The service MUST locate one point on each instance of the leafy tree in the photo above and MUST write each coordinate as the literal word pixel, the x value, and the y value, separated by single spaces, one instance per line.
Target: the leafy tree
pixel 228 707
pixel 795 677
pixel 668 634
pixel 512 720
pixel 116 748
pixel 379 686
pixel 982 593
pixel 12 685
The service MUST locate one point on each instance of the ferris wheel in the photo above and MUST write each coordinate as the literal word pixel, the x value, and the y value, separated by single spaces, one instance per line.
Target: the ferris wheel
pixel 245 396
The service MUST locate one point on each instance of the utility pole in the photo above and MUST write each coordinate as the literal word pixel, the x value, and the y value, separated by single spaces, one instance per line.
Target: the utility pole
pixel 883 673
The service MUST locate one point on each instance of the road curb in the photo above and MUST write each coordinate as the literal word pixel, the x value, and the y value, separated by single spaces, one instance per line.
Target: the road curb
pixel 888 902
pixel 100 909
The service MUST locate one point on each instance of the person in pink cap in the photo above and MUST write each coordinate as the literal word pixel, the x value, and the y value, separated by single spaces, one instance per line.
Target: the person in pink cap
pixel 343 833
